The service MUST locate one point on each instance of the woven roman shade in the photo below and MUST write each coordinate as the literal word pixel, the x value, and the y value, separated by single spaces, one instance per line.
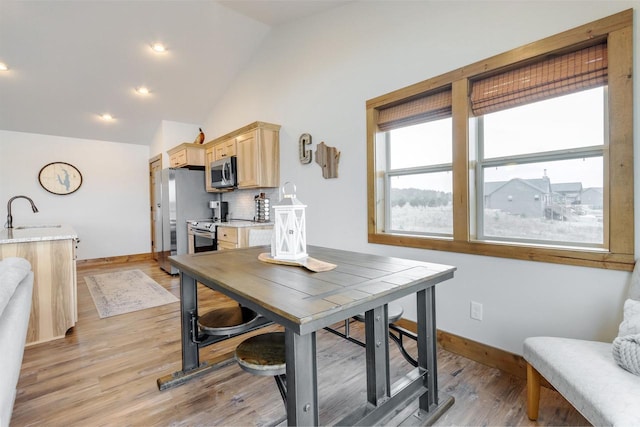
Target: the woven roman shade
pixel 419 110
pixel 554 76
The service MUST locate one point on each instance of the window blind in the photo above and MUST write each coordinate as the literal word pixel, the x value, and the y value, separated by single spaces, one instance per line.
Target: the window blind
pixel 554 76
pixel 418 110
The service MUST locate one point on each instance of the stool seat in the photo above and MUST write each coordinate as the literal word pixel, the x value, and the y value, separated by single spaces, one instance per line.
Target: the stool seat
pixel 395 313
pixel 263 354
pixel 227 320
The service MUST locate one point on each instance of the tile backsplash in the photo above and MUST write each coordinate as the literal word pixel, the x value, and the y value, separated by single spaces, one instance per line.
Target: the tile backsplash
pixel 242 202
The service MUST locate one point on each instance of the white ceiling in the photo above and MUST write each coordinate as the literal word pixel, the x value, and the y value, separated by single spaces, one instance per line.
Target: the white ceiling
pixel 72 60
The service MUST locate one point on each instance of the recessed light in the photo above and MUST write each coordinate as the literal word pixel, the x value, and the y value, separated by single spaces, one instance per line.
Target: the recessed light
pixel 142 90
pixel 158 48
pixel 3 67
pixel 106 117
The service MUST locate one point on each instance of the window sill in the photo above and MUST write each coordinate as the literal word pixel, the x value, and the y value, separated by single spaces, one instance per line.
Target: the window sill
pixel 596 258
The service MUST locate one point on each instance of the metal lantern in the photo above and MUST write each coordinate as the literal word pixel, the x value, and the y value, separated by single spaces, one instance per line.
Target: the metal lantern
pixel 289 239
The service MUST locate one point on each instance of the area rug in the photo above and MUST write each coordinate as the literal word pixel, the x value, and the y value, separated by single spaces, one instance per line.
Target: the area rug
pixel 126 291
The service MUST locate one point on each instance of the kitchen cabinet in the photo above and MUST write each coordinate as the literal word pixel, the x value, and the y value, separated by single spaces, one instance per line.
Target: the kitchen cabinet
pixel 257 149
pixel 227 238
pixel 225 149
pixel 258 153
pixel 230 237
pixel 51 252
pixel 186 154
pixel 209 156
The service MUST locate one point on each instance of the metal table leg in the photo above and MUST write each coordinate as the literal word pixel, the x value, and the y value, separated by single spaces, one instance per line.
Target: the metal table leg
pixel 190 354
pixel 188 309
pixel 302 379
pixel 431 406
pixel 377 352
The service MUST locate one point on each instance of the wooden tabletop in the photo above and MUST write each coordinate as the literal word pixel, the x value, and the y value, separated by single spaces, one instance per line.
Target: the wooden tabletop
pixel 305 301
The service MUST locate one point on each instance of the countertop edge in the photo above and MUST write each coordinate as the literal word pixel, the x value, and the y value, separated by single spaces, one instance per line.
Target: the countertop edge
pixel 36 234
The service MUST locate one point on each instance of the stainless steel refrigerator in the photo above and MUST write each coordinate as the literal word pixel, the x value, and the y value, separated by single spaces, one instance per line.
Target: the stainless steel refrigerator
pixel 182 197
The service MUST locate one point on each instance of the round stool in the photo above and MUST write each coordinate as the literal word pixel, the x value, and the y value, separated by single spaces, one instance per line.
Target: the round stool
pixel 227 320
pixel 263 354
pixel 395 313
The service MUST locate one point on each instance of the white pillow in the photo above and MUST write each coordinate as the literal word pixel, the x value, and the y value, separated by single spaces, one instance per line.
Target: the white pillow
pixel 12 271
pixel 631 318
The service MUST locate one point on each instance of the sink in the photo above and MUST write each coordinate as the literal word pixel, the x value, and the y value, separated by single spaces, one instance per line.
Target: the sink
pixel 25 227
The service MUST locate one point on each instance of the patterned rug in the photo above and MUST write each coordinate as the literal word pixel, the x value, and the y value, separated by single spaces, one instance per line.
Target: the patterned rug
pixel 126 291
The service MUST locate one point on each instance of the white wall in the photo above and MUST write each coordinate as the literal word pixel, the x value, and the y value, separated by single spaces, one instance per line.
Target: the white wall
pixel 110 211
pixel 315 76
pixel 170 134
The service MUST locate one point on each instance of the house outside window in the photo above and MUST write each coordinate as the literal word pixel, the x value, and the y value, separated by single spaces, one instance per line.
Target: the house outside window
pixel 556 187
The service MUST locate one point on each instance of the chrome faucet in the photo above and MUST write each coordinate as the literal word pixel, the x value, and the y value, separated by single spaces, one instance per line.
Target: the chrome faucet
pixel 9 217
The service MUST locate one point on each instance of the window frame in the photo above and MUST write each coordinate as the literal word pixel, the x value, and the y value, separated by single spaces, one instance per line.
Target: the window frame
pixel 618 251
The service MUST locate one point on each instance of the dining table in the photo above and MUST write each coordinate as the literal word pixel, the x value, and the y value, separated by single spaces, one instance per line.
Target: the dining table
pixel 303 302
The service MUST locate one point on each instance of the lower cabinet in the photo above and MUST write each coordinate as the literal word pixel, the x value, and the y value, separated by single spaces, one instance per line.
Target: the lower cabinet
pixel 227 238
pixel 54 304
pixel 236 237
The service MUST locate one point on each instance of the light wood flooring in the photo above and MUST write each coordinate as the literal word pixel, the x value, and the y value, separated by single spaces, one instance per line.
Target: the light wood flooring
pixel 104 372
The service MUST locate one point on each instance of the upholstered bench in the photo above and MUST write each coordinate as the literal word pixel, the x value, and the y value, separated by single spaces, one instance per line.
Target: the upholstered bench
pixel 600 379
pixel 585 373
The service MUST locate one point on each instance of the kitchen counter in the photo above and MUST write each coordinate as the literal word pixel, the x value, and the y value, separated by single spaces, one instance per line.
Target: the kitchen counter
pixel 51 251
pixel 236 223
pixel 241 223
pixel 37 233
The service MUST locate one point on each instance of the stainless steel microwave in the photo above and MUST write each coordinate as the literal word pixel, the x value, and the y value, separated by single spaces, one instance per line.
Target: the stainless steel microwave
pixel 223 173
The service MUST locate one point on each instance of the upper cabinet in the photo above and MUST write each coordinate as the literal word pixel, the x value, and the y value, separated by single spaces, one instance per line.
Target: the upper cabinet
pixel 187 154
pixel 225 148
pixel 258 153
pixel 257 149
pixel 210 156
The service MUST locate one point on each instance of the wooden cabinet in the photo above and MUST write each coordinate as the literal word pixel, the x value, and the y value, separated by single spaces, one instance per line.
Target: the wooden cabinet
pixel 187 154
pixel 227 238
pixel 236 237
pixel 54 303
pixel 225 149
pixel 257 148
pixel 209 156
pixel 258 153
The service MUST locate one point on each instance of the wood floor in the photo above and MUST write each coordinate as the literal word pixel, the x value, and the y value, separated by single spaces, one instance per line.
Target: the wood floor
pixel 104 372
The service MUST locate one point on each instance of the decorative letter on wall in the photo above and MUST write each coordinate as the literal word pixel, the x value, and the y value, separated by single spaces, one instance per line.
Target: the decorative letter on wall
pixel 305 155
pixel 328 159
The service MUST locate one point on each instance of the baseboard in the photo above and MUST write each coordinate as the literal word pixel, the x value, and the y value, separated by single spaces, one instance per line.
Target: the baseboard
pixel 513 364
pixel 96 262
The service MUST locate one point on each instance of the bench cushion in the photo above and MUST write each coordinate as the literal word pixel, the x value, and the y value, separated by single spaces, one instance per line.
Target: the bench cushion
pixel 585 373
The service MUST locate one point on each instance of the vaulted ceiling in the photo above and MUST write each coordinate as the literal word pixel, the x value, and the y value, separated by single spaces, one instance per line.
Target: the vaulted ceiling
pixel 70 61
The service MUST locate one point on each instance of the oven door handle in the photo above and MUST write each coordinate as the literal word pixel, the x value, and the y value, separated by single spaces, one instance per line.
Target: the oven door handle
pixel 205 234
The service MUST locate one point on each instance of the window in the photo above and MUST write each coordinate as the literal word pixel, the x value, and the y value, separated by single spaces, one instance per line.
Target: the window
pixel 419 180
pixel 527 155
pixel 544 155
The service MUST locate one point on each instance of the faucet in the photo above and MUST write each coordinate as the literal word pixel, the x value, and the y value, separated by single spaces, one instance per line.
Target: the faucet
pixel 9 217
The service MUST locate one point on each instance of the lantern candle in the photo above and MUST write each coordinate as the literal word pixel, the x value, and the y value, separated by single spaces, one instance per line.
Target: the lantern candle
pixel 289 239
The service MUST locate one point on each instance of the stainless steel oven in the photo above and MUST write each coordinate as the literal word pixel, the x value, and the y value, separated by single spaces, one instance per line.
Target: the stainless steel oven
pixel 202 237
